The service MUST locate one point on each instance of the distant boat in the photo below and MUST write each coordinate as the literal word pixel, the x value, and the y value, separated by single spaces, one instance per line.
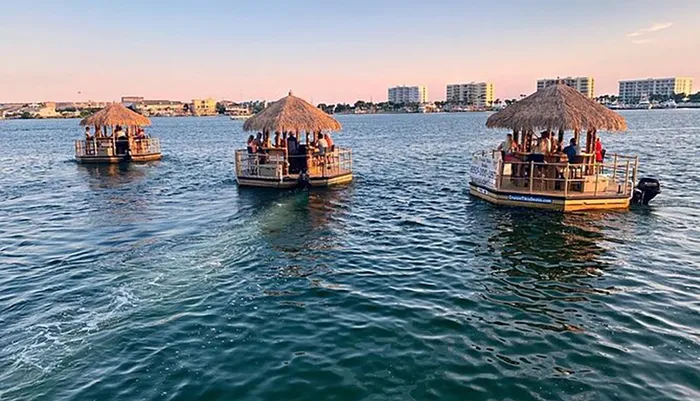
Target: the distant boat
pixel 240 117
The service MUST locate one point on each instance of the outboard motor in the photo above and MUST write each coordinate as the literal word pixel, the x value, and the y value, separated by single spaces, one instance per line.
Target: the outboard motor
pixel 646 190
pixel 304 180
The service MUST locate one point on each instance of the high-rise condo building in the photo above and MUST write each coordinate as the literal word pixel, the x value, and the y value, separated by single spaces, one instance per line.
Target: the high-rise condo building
pixel 585 85
pixel 479 94
pixel 408 94
pixel 633 90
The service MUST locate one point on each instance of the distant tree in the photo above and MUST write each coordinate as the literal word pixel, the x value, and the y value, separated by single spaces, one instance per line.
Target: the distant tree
pixel 220 108
pixel 26 115
pixel 679 97
pixel 361 104
pixel 657 97
pixel 186 107
pixel 326 108
pixel 695 98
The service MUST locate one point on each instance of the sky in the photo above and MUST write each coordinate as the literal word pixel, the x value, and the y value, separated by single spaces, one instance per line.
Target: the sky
pixel 333 51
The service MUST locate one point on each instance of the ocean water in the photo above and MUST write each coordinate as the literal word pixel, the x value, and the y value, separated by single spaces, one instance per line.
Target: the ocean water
pixel 166 281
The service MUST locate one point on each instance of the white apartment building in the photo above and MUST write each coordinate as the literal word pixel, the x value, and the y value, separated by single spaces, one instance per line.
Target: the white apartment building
pixel 479 94
pixel 408 94
pixel 631 91
pixel 585 85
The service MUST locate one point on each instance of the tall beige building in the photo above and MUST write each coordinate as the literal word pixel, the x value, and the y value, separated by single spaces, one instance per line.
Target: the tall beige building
pixel 203 107
pixel 585 85
pixel 633 90
pixel 479 94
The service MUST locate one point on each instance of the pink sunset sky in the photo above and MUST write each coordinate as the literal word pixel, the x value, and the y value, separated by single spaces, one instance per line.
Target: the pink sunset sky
pixel 77 51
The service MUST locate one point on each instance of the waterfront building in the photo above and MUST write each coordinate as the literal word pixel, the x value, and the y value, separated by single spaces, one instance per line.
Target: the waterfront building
pixel 631 91
pixel 132 99
pixel 585 85
pixel 160 107
pixel 408 94
pixel 479 94
pixel 203 107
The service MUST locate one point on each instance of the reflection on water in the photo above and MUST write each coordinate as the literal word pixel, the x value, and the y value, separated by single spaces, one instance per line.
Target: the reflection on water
pixel 116 192
pixel 110 176
pixel 296 220
pixel 545 259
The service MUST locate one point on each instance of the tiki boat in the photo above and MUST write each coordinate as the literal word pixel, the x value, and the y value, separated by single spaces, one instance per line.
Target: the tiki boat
pixel 539 174
pixel 106 145
pixel 293 162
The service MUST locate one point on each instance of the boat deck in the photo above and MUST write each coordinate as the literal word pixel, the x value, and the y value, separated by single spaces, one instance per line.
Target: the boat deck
pixel 275 169
pixel 104 150
pixel 558 186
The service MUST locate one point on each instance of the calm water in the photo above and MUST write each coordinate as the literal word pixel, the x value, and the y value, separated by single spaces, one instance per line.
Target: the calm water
pixel 167 282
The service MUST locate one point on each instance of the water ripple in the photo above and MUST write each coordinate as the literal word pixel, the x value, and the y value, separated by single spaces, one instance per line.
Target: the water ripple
pixel 167 282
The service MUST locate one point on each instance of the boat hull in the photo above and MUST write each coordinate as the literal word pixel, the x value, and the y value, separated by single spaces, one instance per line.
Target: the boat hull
pixel 550 202
pixel 87 159
pixel 292 182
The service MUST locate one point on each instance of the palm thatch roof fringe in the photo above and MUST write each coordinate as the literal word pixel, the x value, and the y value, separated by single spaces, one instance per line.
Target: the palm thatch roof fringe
pixel 116 114
pixel 291 114
pixel 557 107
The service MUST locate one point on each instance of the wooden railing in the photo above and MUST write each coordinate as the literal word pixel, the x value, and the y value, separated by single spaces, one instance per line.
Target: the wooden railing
pixel 106 147
pixel 615 177
pixel 275 165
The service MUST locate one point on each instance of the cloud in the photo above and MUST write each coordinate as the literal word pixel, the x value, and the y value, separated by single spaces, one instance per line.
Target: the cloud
pixel 653 28
pixel 642 41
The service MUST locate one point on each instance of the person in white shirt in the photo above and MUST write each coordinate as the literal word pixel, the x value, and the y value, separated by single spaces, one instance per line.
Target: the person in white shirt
pixel 322 144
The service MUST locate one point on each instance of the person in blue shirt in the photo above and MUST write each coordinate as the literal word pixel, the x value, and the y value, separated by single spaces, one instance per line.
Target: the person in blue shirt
pixel 571 151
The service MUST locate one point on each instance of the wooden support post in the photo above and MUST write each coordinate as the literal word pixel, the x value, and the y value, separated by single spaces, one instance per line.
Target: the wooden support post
pixel 627 176
pixel 566 180
pixel 614 174
pixel 532 170
pixel 501 167
pixel 595 187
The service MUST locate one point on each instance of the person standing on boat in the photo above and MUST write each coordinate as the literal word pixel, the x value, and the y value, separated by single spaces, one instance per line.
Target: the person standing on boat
pixel 87 134
pixel 599 153
pixel 122 142
pixel 278 141
pixel 330 142
pixel 292 152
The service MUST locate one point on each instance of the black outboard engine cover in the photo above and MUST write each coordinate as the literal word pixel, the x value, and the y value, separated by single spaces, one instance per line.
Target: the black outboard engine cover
pixel 646 190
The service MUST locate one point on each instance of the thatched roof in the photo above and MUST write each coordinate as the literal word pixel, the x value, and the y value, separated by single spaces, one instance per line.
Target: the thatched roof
pixel 557 107
pixel 116 114
pixel 291 114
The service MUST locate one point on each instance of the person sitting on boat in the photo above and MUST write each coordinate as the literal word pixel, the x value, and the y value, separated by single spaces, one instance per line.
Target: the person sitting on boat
pixel 508 147
pixel 267 143
pixel 141 134
pixel 258 140
pixel 321 144
pixel 571 151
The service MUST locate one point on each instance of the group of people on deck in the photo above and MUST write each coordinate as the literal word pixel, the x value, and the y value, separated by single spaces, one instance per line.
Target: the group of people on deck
pixel 321 144
pixel 123 138
pixel 546 145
